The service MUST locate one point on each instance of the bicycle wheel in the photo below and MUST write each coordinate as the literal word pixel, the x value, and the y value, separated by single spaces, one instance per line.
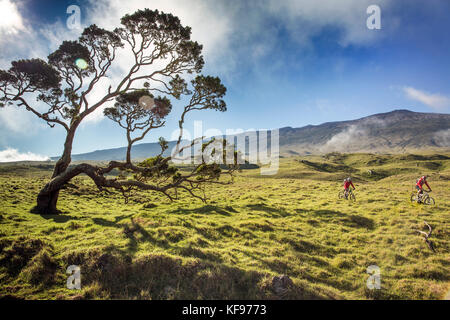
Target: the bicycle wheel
pixel 429 201
pixel 352 196
pixel 413 197
pixel 341 194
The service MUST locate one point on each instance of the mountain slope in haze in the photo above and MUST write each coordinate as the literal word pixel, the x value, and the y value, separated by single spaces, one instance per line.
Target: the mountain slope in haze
pixel 138 151
pixel 394 132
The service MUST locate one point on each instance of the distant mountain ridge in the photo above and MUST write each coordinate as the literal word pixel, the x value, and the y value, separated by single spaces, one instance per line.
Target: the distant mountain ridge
pixel 138 151
pixel 394 132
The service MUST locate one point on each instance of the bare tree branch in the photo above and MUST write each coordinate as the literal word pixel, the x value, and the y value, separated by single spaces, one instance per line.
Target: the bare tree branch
pixel 426 236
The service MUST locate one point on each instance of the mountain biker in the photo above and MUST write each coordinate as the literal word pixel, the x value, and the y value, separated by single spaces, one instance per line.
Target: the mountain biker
pixel 419 186
pixel 347 183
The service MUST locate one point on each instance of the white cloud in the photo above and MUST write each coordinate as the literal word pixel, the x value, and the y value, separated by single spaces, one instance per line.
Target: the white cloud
pixel 23 41
pixel 210 26
pixel 19 121
pixel 234 32
pixel 11 21
pixel 10 155
pixel 12 27
pixel 231 32
pixel 305 19
pixel 435 101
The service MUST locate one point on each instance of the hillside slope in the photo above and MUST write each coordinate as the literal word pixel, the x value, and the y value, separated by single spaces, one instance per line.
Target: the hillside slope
pixel 231 248
pixel 396 131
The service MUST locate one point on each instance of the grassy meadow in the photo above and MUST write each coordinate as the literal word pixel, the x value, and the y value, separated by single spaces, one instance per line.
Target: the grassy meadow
pixel 231 247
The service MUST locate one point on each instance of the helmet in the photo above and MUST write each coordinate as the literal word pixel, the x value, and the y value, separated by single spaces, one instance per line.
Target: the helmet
pixel 349 179
pixel 424 177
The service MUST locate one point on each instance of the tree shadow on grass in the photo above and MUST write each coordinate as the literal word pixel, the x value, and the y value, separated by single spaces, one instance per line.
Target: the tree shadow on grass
pixel 279 266
pixel 36 210
pixel 136 233
pixel 105 222
pixel 208 233
pixel 162 277
pixel 59 218
pixel 207 209
pixel 332 281
pixel 353 221
pixel 274 212
pixel 328 213
pixel 360 222
pixel 198 253
pixel 108 223
pixel 303 246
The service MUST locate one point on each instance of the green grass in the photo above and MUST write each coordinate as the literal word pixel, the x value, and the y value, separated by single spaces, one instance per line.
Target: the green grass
pixel 231 247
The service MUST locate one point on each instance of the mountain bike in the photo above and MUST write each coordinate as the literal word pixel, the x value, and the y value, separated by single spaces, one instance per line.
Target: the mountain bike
pixel 423 198
pixel 350 196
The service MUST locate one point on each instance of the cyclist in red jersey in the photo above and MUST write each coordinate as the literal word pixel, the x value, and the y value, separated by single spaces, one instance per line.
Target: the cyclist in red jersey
pixel 419 186
pixel 347 183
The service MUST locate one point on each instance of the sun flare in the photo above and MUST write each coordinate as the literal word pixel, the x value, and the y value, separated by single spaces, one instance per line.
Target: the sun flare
pixel 10 18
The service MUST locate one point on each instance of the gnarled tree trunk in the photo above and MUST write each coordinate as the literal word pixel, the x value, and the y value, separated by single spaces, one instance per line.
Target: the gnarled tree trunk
pixel 47 200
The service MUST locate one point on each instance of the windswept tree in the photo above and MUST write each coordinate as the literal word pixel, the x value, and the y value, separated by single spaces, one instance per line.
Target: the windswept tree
pixel 163 56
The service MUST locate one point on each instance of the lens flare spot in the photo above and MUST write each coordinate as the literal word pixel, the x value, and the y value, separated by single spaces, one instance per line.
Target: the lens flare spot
pixel 81 63
pixel 147 102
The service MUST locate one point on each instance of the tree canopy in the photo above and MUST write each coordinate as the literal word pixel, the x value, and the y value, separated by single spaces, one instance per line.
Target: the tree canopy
pixel 163 57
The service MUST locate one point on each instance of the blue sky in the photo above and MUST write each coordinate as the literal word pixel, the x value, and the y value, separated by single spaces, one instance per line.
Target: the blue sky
pixel 285 63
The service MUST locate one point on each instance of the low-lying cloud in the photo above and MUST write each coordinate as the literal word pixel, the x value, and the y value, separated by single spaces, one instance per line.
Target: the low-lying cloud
pixel 343 140
pixel 442 138
pixel 11 155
